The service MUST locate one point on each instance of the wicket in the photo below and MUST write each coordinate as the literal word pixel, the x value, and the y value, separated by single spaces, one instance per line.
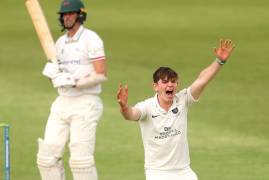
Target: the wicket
pixel 6 151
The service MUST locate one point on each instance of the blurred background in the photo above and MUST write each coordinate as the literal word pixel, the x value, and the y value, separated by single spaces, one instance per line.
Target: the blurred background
pixel 227 129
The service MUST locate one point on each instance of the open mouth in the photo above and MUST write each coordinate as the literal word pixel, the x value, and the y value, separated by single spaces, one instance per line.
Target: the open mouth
pixel 169 92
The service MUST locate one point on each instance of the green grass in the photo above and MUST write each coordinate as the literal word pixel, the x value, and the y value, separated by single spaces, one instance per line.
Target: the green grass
pixel 228 128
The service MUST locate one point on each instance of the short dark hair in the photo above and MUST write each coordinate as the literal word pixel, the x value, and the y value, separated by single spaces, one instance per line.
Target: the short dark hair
pixel 164 73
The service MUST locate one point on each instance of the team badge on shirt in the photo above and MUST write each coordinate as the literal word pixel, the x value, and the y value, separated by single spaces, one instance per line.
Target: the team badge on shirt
pixel 175 110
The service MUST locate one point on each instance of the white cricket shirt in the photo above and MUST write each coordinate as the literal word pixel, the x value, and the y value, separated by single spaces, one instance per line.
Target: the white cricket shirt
pixel 164 133
pixel 76 54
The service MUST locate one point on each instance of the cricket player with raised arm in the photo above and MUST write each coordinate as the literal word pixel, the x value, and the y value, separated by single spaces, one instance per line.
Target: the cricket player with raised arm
pixel 76 111
pixel 163 118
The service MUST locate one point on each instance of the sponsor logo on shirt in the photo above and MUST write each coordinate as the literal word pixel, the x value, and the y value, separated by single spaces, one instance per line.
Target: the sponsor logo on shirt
pixel 167 133
pixel 71 62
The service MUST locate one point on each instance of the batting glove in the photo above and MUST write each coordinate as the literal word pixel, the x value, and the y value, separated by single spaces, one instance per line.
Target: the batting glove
pixel 63 79
pixel 50 70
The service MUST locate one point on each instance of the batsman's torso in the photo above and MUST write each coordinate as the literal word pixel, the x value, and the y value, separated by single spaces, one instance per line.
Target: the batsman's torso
pixel 73 57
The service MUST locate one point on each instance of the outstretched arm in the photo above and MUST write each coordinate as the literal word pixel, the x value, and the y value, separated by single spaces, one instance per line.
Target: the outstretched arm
pixel 222 53
pixel 129 113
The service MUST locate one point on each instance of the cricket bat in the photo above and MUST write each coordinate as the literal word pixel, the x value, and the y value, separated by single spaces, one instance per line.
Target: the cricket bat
pixel 42 29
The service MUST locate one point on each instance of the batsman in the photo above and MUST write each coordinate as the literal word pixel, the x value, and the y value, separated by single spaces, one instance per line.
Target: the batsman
pixel 75 113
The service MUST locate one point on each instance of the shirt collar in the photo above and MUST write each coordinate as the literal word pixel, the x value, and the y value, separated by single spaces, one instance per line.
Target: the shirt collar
pixel 175 103
pixel 76 35
pixel 158 107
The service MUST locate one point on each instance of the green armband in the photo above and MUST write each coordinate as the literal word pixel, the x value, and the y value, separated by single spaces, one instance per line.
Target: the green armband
pixel 220 62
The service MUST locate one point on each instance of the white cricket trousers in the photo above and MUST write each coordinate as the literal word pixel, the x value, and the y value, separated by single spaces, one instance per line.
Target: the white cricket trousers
pixel 75 118
pixel 183 174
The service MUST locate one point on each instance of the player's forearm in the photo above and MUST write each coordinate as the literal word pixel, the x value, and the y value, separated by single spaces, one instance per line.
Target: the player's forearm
pixel 130 113
pixel 209 73
pixel 91 80
pixel 204 78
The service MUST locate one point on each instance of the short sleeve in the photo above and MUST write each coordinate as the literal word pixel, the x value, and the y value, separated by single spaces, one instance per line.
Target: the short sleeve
pixel 141 106
pixel 95 48
pixel 190 98
pixel 185 96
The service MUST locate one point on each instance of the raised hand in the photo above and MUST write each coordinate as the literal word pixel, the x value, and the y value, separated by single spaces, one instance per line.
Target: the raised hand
pixel 122 96
pixel 224 50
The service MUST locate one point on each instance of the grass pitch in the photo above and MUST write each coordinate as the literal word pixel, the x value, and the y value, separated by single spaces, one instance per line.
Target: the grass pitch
pixel 228 128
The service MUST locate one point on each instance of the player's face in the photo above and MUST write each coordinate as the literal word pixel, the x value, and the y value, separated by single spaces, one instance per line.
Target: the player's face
pixel 166 89
pixel 70 19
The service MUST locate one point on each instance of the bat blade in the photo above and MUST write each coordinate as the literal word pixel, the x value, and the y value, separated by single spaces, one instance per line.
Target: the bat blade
pixel 42 29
